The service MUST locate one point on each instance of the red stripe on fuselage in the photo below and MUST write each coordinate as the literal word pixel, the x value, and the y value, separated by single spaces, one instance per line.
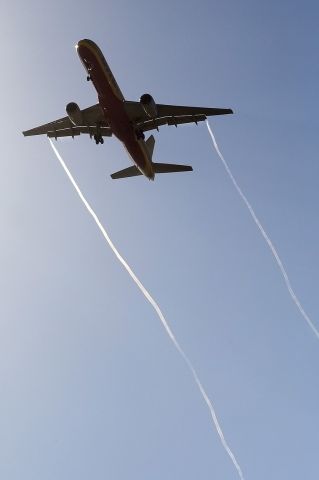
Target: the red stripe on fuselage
pixel 112 102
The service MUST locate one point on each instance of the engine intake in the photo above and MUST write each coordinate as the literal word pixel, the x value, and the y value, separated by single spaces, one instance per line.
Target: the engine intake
pixel 149 105
pixel 74 113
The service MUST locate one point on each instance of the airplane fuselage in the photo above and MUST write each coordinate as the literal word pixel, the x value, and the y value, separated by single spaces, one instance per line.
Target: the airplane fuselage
pixel 112 103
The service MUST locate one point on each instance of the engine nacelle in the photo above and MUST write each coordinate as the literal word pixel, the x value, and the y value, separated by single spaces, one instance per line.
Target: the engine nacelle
pixel 149 106
pixel 74 113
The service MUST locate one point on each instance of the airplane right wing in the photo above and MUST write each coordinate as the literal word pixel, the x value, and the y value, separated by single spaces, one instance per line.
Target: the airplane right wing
pixel 180 110
pixel 170 115
pixel 157 122
pixel 92 119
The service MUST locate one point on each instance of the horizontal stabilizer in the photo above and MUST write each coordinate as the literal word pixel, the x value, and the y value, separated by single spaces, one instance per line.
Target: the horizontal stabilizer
pixel 157 167
pixel 171 168
pixel 127 172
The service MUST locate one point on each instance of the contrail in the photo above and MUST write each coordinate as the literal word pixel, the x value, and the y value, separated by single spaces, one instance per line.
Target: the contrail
pixel 266 237
pixel 158 311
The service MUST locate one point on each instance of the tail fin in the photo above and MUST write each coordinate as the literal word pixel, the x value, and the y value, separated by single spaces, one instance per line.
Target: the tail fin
pixel 171 168
pixel 150 143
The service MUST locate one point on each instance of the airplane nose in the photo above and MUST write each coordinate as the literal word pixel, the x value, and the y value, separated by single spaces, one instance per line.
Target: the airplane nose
pixel 80 43
pixel 85 42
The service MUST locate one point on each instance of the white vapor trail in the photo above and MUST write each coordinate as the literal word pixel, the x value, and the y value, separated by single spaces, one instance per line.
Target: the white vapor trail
pixel 158 311
pixel 266 237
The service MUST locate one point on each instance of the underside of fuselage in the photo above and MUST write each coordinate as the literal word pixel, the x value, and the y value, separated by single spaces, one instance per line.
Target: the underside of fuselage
pixel 112 101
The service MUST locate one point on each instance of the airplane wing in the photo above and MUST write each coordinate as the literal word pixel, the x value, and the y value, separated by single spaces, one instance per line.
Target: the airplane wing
pixel 178 110
pixel 93 122
pixel 170 115
pixel 160 121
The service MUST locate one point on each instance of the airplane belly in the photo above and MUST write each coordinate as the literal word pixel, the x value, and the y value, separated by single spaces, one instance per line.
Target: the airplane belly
pixel 112 103
pixel 98 69
pixel 110 96
pixel 138 153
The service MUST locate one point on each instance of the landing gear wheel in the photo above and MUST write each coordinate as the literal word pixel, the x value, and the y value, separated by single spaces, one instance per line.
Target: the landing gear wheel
pixel 88 78
pixel 140 135
pixel 98 139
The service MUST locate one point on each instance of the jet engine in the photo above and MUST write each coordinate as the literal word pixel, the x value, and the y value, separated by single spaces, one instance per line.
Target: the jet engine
pixel 148 104
pixel 74 113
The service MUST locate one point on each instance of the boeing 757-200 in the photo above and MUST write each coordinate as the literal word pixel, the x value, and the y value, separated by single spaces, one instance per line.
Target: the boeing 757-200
pixel 127 120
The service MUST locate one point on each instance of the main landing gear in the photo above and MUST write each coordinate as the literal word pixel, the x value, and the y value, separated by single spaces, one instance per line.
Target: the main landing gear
pixel 140 135
pixel 98 139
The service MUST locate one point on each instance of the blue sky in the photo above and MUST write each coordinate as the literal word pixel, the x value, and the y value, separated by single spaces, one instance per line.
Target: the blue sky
pixel 91 386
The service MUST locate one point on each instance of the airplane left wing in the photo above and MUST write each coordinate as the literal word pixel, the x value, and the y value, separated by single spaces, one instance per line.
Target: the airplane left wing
pixel 92 122
pixel 75 131
pixel 60 124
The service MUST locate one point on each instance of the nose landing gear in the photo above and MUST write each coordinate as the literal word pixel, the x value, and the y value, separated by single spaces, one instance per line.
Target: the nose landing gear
pixel 89 70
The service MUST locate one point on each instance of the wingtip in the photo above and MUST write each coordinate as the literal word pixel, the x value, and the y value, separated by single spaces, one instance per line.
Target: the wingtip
pixel 27 133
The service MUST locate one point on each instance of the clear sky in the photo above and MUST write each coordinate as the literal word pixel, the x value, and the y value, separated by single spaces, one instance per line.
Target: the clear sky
pixel 90 385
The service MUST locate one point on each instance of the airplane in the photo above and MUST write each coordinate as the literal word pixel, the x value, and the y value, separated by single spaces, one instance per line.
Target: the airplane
pixel 127 120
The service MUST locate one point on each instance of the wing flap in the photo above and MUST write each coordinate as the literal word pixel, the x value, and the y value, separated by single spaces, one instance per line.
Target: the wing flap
pixel 66 132
pixel 74 131
pixel 186 119
pixel 159 122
